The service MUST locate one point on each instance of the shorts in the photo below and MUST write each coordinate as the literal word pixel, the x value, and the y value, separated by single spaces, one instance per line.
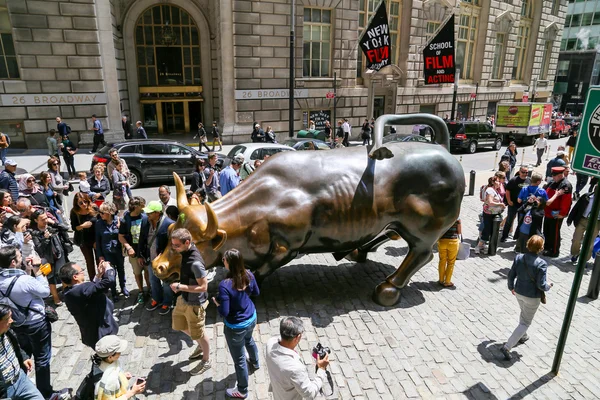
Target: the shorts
pixel 137 270
pixel 189 318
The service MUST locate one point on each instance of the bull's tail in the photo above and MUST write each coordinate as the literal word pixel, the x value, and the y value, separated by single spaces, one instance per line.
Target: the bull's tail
pixel 442 136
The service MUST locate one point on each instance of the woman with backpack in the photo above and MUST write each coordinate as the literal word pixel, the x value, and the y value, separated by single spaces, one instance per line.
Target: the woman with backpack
pixel 235 305
pixel 493 205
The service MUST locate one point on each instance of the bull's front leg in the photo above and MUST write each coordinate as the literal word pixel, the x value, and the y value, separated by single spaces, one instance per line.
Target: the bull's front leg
pixel 388 293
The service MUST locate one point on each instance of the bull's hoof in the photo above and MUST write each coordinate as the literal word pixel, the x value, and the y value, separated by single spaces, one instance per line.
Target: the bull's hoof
pixel 386 294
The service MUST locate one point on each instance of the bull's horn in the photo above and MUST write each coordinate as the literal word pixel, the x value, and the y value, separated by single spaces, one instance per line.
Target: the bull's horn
pixel 211 222
pixel 182 200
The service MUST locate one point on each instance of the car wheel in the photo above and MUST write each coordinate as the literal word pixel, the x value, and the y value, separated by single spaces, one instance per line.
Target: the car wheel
pixel 135 179
pixel 472 147
pixel 497 144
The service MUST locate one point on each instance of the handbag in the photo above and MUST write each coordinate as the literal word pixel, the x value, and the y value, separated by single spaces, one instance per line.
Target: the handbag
pixel 464 250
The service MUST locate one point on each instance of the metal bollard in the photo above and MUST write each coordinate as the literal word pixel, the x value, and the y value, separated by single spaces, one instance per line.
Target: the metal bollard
pixel 460 159
pixel 548 152
pixel 523 157
pixel 472 183
pixel 495 161
pixel 495 235
pixel 184 181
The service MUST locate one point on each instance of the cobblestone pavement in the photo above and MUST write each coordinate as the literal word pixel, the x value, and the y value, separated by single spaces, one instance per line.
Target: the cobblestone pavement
pixel 437 343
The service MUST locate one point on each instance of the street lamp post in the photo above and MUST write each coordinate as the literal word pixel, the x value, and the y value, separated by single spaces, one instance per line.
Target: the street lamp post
pixel 292 59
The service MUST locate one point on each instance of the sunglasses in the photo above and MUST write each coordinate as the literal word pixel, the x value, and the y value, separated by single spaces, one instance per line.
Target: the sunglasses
pixel 30 180
pixel 82 203
pixel 523 172
pixel 21 210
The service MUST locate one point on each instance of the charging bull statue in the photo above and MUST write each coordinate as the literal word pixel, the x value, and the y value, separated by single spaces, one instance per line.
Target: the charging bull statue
pixel 344 201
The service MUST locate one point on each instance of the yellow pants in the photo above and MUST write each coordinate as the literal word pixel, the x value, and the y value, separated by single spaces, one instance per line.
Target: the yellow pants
pixel 448 249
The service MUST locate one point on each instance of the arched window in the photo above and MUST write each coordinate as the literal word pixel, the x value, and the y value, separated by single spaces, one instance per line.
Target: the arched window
pixel 504 24
pixel 167 47
pixel 522 44
pixel 9 69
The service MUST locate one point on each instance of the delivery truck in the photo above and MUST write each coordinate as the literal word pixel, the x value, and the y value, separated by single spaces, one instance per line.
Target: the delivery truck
pixel 523 122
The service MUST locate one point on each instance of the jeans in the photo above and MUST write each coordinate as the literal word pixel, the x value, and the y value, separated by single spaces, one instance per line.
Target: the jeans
pixel 237 341
pixel 161 291
pixel 36 340
pixel 70 162
pixel 88 251
pixel 23 389
pixel 448 250
pixel 529 306
pixel 118 263
pixel 3 154
pixel 510 217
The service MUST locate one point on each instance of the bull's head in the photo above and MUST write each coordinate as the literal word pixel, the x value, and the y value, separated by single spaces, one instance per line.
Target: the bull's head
pixel 202 223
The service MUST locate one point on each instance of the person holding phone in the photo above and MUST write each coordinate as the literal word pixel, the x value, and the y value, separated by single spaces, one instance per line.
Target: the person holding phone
pixel 115 381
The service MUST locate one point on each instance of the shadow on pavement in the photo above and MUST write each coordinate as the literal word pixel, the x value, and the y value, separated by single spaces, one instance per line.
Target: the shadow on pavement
pixel 502 275
pixel 208 387
pixel 490 352
pixel 542 380
pixel 479 391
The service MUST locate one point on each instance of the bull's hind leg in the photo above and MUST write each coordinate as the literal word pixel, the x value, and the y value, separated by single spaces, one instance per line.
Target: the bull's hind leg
pixel 388 293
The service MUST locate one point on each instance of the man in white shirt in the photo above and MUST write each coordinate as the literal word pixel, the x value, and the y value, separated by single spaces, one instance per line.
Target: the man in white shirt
pixel 287 372
pixel 164 193
pixel 346 128
pixel 540 146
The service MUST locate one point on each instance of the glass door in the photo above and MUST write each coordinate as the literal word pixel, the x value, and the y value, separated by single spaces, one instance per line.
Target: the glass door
pixel 150 118
pixel 173 117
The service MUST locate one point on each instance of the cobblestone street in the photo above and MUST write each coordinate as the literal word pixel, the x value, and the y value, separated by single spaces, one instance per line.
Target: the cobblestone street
pixel 437 343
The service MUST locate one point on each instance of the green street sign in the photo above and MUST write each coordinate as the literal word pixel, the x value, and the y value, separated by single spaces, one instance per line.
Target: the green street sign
pixel 587 150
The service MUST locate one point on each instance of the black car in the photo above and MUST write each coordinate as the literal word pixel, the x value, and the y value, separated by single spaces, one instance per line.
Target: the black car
pixel 154 160
pixel 472 135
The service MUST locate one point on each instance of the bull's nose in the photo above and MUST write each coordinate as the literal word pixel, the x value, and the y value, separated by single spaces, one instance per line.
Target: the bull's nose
pixel 161 269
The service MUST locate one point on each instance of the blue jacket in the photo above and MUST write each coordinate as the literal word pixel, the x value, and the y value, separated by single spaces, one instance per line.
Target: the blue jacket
pixel 9 182
pixel 235 305
pixel 107 239
pixel 162 237
pixel 530 272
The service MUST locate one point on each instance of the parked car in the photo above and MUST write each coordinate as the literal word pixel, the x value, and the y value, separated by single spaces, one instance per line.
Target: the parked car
pixel 256 151
pixel 559 128
pixel 155 160
pixel 399 137
pixel 313 134
pixel 472 135
pixel 306 144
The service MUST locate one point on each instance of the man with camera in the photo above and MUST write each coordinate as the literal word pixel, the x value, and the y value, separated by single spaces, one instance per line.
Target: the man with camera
pixel 211 173
pixel 287 372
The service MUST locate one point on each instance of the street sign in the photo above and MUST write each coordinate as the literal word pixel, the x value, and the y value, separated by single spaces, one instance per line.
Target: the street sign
pixel 525 98
pixel 587 150
pixel 330 95
pixel 473 95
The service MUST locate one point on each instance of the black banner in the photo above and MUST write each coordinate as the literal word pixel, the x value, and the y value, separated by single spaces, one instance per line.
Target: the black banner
pixel 319 117
pixel 375 40
pixel 439 63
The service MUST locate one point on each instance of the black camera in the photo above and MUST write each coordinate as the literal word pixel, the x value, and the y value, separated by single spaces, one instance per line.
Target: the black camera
pixel 319 351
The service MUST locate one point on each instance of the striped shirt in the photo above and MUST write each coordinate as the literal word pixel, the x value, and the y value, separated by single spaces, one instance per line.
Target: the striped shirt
pixel 452 233
pixel 9 363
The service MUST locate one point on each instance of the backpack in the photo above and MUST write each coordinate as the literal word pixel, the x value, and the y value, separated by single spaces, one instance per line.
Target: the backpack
pixel 19 314
pixel 68 129
pixel 482 192
pixel 88 385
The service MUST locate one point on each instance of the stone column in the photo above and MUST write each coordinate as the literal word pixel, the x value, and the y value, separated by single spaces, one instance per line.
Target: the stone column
pixel 227 85
pixel 109 70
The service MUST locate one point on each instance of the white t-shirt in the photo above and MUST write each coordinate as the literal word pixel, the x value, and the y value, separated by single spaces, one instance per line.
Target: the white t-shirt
pixel 540 143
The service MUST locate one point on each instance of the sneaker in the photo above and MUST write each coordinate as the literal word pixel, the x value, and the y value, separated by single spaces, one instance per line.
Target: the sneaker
pixel 63 394
pixel 574 259
pixel 152 306
pixel 523 339
pixel 252 365
pixel 235 393
pixel 506 353
pixel 477 250
pixel 164 310
pixel 196 353
pixel 140 298
pixel 125 292
pixel 201 368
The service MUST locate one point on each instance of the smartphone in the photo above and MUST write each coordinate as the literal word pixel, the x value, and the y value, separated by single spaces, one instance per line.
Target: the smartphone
pixel 139 381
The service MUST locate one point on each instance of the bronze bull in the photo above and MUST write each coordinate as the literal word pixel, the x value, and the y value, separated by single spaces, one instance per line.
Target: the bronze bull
pixel 344 202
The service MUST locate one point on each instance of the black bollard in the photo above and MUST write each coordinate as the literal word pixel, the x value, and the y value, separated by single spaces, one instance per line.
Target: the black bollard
pixel 495 235
pixel 472 183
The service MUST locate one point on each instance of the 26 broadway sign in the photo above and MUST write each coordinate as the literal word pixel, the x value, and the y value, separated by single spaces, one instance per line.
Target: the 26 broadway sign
pixel 13 100
pixel 438 56
pixel 587 150
pixel 375 40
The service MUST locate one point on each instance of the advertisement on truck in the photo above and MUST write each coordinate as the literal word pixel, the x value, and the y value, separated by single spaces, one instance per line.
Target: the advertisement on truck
pixel 513 116
pixel 523 120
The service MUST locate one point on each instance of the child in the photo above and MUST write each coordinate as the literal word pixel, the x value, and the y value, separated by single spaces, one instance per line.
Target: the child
pixel 84 185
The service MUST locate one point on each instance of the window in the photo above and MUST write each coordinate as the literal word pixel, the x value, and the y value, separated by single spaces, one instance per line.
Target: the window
pixel 128 150
pixel 462 111
pixel 518 71
pixel 167 47
pixel 586 19
pixel 9 69
pixel 427 108
pixel 236 150
pixel 556 6
pixel 527 9
pixel 499 51
pixel 571 44
pixel 491 108
pixel 563 44
pixel 176 150
pixel 575 20
pixel 465 46
pixel 431 27
pixel 316 58
pixel 563 68
pixel 154 149
pixel 366 8
pixel 596 19
pixel 546 60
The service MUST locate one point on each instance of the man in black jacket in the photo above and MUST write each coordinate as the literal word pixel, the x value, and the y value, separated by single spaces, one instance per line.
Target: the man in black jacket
pixel 579 217
pixel 126 127
pixel 154 237
pixel 14 383
pixel 87 302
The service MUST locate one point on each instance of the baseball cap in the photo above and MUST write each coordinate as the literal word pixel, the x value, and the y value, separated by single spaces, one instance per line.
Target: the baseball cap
pixel 560 153
pixel 109 345
pixel 153 206
pixel 238 159
pixel 10 162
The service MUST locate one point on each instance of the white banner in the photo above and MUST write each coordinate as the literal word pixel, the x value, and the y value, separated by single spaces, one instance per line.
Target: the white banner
pixel 269 94
pixel 13 100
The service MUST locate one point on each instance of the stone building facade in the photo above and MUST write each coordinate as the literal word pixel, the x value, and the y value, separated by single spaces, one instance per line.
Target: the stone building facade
pixel 174 63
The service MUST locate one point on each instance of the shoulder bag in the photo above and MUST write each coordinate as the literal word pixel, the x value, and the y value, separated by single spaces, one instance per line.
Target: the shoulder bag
pixel 464 250
pixel 543 297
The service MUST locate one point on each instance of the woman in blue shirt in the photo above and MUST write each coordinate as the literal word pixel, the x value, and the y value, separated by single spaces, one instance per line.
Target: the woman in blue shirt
pixel 530 272
pixel 108 247
pixel 235 306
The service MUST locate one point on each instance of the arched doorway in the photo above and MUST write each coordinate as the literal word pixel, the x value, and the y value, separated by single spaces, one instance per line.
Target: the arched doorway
pixel 169 69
